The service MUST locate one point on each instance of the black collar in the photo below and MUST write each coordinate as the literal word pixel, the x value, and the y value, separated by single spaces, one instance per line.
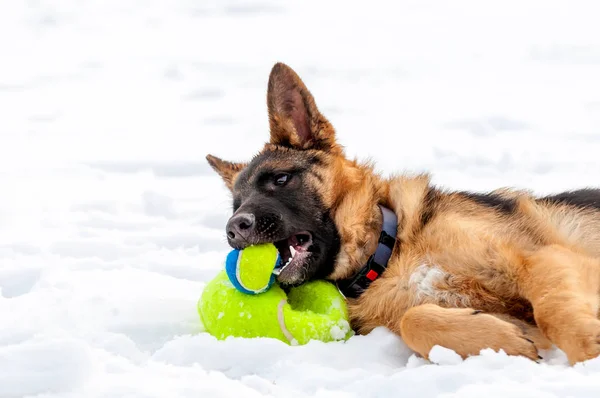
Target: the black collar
pixel 356 285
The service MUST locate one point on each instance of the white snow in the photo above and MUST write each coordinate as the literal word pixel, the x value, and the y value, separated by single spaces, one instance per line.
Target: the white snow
pixel 111 221
pixel 340 330
pixel 444 356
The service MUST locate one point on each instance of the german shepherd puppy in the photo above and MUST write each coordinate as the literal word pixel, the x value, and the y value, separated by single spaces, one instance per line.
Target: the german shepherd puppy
pixel 503 270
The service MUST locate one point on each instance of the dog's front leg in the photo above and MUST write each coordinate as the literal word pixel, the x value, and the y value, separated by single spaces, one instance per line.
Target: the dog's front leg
pixel 467 332
pixel 562 286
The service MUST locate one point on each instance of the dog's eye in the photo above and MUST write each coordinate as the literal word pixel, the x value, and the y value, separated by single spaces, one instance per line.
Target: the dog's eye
pixel 281 179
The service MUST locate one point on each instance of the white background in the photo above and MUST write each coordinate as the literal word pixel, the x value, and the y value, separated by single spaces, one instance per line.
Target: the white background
pixel 111 221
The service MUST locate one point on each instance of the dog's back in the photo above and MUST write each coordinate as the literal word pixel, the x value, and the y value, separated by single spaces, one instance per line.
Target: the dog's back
pixel 576 216
pixel 570 217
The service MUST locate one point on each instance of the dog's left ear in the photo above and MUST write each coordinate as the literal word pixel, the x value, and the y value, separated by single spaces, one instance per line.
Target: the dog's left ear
pixel 294 118
pixel 227 170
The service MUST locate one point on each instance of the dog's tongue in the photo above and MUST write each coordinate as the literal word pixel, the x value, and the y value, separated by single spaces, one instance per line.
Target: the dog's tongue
pixel 293 242
pixel 296 245
pixel 293 251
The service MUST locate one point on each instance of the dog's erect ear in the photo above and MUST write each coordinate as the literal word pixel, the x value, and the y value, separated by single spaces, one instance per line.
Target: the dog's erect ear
pixel 294 118
pixel 227 170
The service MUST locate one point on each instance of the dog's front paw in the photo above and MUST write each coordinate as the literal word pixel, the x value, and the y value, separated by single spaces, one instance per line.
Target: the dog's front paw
pixel 467 331
pixel 499 335
pixel 585 343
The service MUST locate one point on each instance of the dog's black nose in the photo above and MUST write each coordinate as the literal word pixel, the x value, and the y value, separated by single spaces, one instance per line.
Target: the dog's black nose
pixel 239 227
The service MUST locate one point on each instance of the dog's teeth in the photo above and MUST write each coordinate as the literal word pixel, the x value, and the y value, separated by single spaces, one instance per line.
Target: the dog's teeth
pixel 277 271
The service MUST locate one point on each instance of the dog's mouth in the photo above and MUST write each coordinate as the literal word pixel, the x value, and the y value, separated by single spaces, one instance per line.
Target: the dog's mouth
pixel 294 253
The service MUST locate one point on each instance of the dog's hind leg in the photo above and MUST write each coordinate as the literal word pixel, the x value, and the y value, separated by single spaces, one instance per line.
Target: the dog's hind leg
pixel 563 288
pixel 468 331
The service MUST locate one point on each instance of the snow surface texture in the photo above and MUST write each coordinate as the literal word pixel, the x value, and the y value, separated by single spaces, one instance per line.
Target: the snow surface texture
pixel 111 221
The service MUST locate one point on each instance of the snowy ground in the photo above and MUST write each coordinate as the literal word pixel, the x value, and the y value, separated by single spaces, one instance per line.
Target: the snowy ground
pixel 111 222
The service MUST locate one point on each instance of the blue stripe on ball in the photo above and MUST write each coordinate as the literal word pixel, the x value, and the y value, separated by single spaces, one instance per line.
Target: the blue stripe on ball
pixel 231 263
pixel 231 267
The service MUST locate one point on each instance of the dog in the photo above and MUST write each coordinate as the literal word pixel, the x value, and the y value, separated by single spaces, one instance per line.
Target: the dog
pixel 505 270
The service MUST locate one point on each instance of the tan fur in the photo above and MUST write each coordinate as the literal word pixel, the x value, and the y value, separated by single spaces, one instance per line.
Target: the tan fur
pixel 227 170
pixel 534 272
pixel 446 327
pixel 534 266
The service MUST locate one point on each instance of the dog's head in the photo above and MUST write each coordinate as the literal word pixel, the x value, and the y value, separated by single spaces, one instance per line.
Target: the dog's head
pixel 286 193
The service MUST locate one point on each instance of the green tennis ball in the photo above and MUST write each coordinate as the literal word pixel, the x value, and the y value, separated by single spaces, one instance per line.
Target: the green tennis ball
pixel 313 311
pixel 317 311
pixel 251 270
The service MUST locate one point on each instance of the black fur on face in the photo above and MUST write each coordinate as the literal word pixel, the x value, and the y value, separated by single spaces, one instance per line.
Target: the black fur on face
pixel 274 202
